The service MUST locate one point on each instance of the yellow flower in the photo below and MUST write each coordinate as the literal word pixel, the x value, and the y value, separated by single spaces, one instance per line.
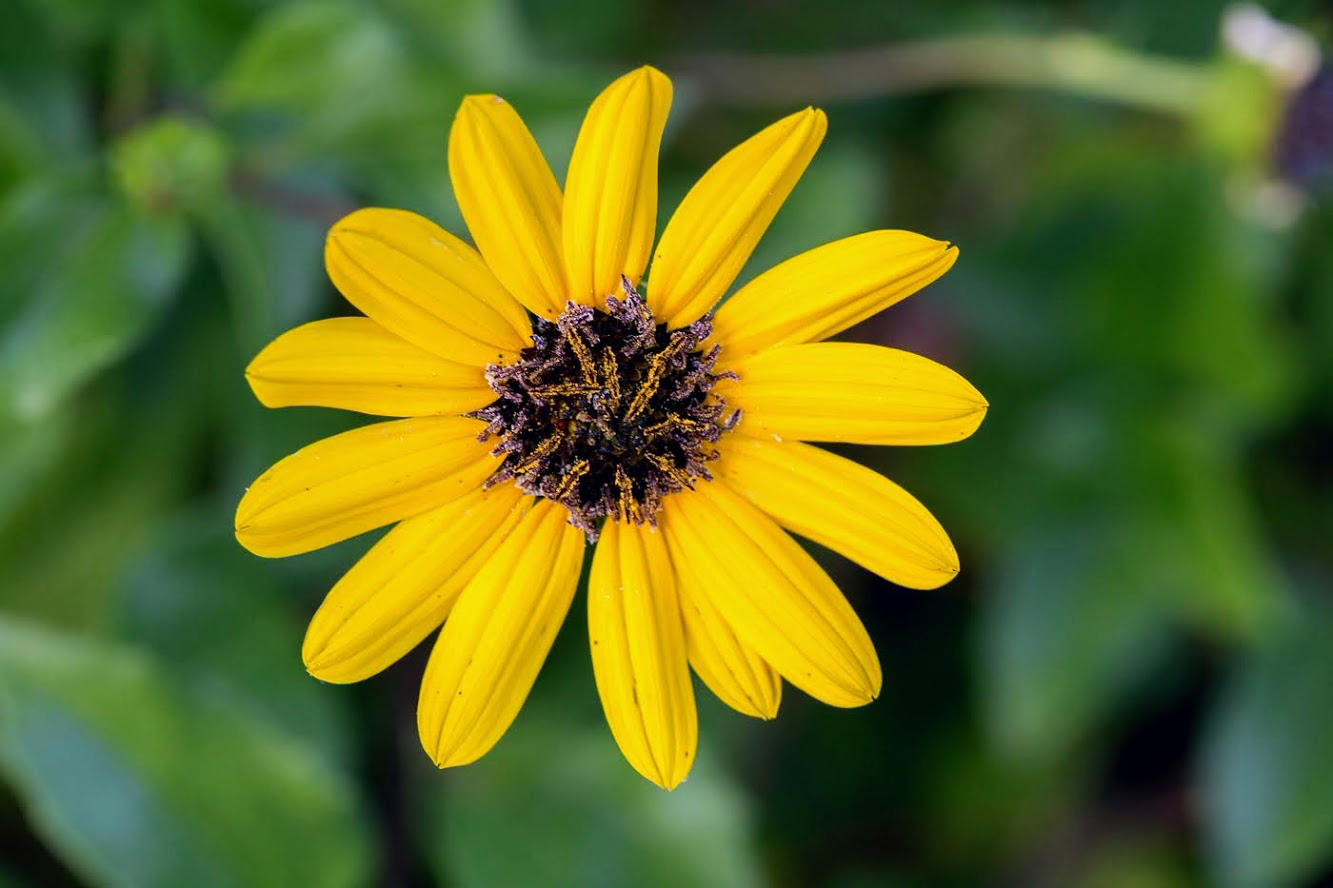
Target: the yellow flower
pixel 549 403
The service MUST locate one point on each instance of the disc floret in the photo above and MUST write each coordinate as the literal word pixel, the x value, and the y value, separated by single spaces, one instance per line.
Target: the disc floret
pixel 608 411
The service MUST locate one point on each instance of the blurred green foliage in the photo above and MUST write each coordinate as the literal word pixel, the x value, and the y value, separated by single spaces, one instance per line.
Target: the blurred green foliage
pixel 1131 684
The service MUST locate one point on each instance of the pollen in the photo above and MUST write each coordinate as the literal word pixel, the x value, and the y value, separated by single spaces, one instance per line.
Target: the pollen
pixel 607 412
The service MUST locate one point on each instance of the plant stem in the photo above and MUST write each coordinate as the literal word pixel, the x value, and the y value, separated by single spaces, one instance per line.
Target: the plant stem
pixel 1077 63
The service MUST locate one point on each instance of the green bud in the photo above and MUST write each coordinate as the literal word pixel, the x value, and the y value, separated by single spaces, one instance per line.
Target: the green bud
pixel 170 165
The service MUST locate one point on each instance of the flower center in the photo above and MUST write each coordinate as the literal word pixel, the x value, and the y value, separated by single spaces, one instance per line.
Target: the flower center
pixel 607 412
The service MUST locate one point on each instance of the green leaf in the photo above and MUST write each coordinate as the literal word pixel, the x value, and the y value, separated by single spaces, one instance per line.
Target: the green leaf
pixel 136 783
pixel 1267 763
pixel 28 452
pixel 271 268
pixel 84 511
pixel 20 148
pixel 216 613
pixel 103 295
pixel 99 481
pixel 1069 628
pixel 36 222
pixel 76 21
pixel 485 38
pixel 199 36
pixel 300 54
pixel 1083 608
pixel 552 806
pixel 1203 527
pixel 340 68
pixel 354 95
pixel 44 115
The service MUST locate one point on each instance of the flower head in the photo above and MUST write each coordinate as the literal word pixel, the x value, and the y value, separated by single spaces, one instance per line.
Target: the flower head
pixel 552 398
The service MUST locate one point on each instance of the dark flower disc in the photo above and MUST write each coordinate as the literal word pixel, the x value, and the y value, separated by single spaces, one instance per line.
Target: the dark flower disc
pixel 607 412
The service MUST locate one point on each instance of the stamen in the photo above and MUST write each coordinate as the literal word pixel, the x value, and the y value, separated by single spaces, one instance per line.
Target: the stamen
pixel 563 389
pixel 611 376
pixel 576 471
pixel 674 472
pixel 656 370
pixel 539 453
pixel 574 336
pixel 629 509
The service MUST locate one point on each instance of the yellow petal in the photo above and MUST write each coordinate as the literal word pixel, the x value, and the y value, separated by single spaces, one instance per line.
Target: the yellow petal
pixel 404 587
pixel 842 505
pixel 497 637
pixel 355 364
pixel 723 216
pixel 359 480
pixel 638 653
pixel 423 284
pixel 814 295
pixel 510 201
pixel 774 596
pixel 729 667
pixel 610 212
pixel 851 392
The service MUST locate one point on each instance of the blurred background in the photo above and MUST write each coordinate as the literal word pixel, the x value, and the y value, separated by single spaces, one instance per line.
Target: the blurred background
pixel 1130 684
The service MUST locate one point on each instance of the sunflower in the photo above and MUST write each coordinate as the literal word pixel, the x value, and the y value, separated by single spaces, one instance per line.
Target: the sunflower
pixel 548 399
